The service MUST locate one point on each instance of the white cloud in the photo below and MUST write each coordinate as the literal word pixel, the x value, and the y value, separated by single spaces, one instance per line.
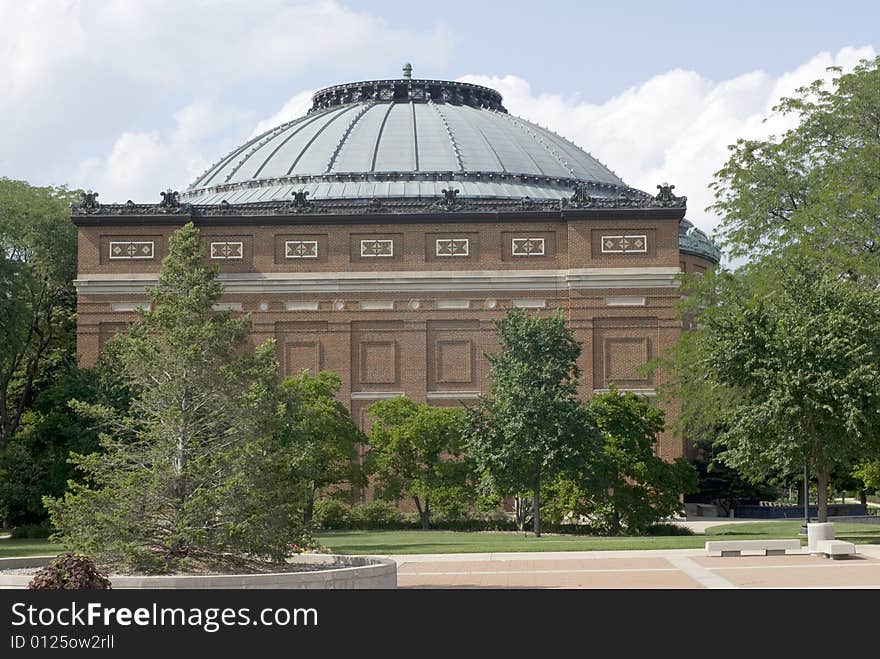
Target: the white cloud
pixel 295 107
pixel 91 85
pixel 674 127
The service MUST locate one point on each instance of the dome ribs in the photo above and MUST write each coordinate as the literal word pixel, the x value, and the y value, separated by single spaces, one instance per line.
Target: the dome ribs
pixel 265 162
pixel 355 119
pixel 562 161
pixel 379 136
pixel 452 139
pixel 314 137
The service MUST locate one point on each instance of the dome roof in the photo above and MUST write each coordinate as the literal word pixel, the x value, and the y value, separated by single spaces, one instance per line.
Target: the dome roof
pixel 695 241
pixel 404 138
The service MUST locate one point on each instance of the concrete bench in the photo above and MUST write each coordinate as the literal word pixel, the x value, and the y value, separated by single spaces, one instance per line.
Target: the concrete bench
pixel 766 547
pixel 835 549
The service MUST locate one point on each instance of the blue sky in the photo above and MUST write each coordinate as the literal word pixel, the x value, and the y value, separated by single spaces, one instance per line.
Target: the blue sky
pixel 129 97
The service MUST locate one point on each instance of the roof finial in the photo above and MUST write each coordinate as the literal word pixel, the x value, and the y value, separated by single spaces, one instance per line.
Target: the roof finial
pixel 407 70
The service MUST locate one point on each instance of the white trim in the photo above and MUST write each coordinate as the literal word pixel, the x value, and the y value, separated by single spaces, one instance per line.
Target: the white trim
pixel 288 243
pixel 513 251
pixel 466 242
pixel 463 395
pixel 637 392
pixel 227 306
pixel 228 258
pixel 406 280
pixel 529 304
pixel 625 301
pixel 366 255
pixel 643 250
pixel 375 395
pixel 377 305
pixel 126 257
pixel 129 306
pixel 452 304
pixel 301 306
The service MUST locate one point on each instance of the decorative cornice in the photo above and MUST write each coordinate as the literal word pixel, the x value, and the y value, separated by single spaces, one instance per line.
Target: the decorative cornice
pixel 429 281
pixel 405 90
pixel 608 198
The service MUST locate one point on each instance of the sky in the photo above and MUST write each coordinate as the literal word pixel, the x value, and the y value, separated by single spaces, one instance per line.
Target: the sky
pixel 131 97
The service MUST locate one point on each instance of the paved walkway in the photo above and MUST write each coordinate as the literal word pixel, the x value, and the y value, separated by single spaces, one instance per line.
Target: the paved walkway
pixel 678 568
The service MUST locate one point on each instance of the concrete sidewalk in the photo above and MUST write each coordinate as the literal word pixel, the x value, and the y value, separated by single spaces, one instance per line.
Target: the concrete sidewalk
pixel 660 568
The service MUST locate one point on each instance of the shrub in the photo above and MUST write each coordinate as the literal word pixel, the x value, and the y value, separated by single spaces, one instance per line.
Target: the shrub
pixel 668 529
pixel 331 514
pixel 32 531
pixel 375 514
pixel 69 571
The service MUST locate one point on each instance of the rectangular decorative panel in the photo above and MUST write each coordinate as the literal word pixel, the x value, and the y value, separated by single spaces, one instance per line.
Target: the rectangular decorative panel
pixel 527 247
pixel 301 249
pixel 377 247
pixel 227 250
pixel 303 355
pixel 452 247
pixel 378 362
pixel 132 249
pixel 623 357
pixel 454 361
pixel 628 244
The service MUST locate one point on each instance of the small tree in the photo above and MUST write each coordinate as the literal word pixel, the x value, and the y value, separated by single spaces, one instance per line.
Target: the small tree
pixel 416 451
pixel 531 429
pixel 325 433
pixel 635 488
pixel 193 469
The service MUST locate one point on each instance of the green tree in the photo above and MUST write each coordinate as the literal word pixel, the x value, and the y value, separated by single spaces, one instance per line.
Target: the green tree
pixel 633 487
pixel 531 429
pixel 416 452
pixel 194 469
pixel 815 189
pixel 35 461
pixel 790 352
pixel 37 298
pixel 327 435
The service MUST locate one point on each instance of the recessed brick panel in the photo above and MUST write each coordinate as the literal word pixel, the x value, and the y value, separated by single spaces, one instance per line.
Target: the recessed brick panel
pixel 378 362
pixel 303 355
pixel 454 361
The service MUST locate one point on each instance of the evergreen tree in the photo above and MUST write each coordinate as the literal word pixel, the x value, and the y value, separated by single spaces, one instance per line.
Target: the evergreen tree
pixel 194 470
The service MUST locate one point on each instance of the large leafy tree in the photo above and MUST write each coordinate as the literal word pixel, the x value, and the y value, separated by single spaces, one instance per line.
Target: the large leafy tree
pixel 416 452
pixel 326 434
pixel 531 428
pixel 633 487
pixel 37 298
pixel 194 469
pixel 790 352
pixel 815 188
pixel 35 462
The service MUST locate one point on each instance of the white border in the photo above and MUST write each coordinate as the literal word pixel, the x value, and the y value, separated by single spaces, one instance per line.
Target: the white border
pixel 466 241
pixel 644 249
pixel 390 241
pixel 228 258
pixel 133 242
pixel 543 251
pixel 287 244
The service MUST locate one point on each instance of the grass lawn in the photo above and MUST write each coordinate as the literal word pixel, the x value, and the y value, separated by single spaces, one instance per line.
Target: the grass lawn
pixel 27 547
pixel 449 542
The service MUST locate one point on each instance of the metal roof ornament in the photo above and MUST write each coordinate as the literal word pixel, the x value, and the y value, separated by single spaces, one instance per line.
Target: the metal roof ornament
pixel 581 198
pixel 407 71
pixel 300 202
pixel 665 198
pixel 170 200
pixel 89 203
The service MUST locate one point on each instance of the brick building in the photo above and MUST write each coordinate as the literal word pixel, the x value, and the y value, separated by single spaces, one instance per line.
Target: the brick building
pixel 381 234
